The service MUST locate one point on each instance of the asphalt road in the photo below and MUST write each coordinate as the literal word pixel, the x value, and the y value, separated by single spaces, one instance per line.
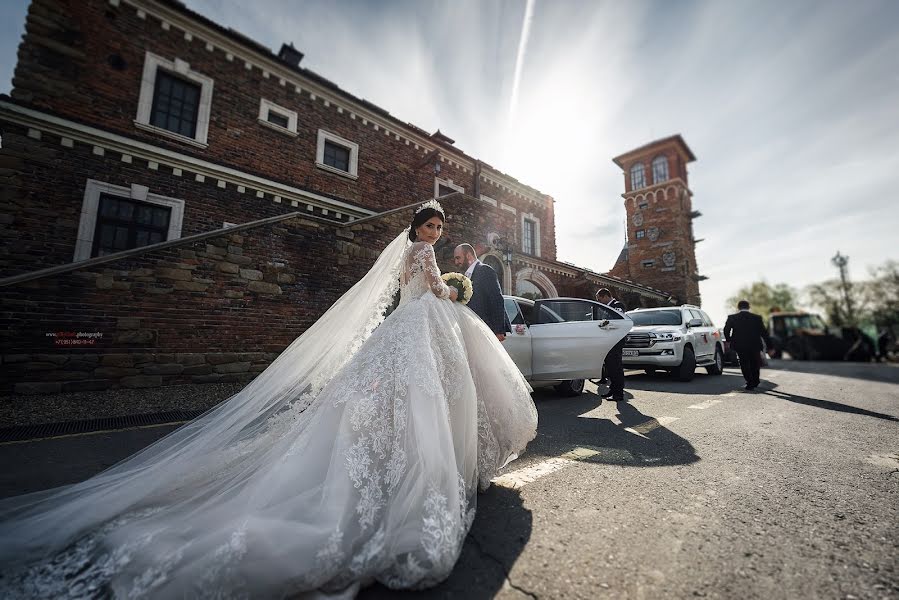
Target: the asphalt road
pixel 688 490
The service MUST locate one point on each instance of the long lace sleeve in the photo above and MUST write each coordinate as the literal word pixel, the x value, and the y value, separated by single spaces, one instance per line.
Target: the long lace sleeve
pixel 423 255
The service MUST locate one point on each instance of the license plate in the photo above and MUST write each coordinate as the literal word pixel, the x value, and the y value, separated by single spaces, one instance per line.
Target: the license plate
pixel 630 353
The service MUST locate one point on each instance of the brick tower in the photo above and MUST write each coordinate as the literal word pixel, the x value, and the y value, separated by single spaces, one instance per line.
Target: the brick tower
pixel 659 250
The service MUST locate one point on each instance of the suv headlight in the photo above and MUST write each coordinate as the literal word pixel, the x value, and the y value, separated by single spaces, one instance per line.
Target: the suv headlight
pixel 666 336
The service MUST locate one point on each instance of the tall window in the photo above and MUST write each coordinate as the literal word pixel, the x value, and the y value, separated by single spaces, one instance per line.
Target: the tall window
pixel 337 156
pixel 123 224
pixel 638 177
pixel 529 241
pixel 176 104
pixel 659 169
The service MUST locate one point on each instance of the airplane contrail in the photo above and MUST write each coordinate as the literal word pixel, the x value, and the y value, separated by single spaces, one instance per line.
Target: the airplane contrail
pixel 519 58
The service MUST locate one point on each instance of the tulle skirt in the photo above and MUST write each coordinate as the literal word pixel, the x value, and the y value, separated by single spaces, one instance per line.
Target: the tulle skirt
pixel 371 478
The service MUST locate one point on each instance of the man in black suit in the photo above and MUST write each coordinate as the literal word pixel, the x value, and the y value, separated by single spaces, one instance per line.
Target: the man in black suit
pixel 487 297
pixel 745 332
pixel 614 367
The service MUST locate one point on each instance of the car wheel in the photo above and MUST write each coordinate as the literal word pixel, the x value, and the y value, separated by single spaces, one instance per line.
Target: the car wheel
pixel 718 367
pixel 687 366
pixel 571 388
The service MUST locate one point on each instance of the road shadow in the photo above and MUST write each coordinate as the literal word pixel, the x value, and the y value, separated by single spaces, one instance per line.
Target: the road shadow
pixel 880 372
pixel 730 380
pixel 637 441
pixel 498 536
pixel 769 389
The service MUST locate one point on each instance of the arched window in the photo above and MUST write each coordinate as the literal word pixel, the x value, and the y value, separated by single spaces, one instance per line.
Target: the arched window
pixel 659 169
pixel 528 289
pixel 638 178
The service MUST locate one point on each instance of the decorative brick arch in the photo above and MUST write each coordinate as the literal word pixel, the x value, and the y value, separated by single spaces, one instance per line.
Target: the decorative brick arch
pixel 504 274
pixel 539 279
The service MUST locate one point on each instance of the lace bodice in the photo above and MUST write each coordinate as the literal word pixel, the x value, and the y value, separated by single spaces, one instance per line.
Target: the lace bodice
pixel 421 274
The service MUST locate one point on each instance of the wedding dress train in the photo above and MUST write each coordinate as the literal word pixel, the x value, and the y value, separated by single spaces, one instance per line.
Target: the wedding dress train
pixel 355 457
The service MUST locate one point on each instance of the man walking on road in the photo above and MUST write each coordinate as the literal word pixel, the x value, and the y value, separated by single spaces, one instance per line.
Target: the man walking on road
pixel 745 332
pixel 614 368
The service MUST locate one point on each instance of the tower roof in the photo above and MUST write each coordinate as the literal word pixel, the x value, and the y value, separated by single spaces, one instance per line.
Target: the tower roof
pixel 675 139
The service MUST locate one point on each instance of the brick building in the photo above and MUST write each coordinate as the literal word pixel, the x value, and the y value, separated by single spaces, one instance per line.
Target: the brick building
pixel 189 201
pixel 659 250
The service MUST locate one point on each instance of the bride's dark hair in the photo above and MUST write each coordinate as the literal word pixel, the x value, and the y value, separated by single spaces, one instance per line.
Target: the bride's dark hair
pixel 422 217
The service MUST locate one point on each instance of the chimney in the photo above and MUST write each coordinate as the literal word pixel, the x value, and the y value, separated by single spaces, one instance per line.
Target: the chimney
pixel 441 137
pixel 290 55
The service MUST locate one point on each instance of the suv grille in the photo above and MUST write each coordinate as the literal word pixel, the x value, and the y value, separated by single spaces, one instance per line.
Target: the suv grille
pixel 637 340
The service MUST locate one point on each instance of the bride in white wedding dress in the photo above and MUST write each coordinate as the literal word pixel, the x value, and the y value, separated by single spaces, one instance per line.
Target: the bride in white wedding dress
pixel 355 457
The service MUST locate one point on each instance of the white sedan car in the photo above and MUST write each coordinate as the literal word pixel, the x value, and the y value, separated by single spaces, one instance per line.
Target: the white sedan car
pixel 562 341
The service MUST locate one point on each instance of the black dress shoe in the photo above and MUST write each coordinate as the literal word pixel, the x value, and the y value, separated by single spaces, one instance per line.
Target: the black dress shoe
pixel 749 388
pixel 607 396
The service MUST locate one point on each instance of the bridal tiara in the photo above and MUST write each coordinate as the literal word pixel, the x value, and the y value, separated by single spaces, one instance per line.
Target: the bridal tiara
pixel 430 204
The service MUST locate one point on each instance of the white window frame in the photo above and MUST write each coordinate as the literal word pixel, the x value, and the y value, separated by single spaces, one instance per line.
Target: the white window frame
pixel 327 136
pixel 152 63
pixel 447 183
pixel 267 106
pixel 87 225
pixel 536 222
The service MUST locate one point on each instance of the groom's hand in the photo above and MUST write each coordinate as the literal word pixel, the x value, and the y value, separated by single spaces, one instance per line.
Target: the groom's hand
pixel 501 337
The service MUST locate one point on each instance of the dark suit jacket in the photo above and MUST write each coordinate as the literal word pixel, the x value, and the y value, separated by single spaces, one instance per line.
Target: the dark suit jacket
pixel 617 305
pixel 487 299
pixel 745 331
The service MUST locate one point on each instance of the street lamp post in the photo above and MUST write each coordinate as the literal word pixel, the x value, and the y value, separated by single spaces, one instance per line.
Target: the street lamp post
pixel 842 262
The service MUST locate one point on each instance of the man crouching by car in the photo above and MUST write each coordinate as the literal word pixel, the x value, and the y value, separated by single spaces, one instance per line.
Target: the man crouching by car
pixel 614 368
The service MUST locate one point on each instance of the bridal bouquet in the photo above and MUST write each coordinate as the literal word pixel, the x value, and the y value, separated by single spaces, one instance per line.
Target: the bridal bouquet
pixel 462 285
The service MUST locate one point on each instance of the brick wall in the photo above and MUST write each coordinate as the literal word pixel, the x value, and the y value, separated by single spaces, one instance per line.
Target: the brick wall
pixel 83 60
pixel 216 310
pixel 42 186
pixel 219 309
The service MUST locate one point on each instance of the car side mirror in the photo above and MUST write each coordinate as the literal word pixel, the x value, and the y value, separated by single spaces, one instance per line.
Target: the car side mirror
pixel 694 323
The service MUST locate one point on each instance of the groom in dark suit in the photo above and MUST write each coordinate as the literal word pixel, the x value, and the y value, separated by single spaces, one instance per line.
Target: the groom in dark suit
pixel 487 297
pixel 745 332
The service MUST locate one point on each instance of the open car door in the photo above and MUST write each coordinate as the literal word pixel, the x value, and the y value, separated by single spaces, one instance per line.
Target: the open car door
pixel 571 337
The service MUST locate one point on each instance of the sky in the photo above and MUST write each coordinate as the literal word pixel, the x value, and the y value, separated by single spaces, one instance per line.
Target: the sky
pixel 791 108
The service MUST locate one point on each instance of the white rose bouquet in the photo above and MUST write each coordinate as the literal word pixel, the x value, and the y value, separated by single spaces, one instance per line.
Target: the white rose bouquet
pixel 462 285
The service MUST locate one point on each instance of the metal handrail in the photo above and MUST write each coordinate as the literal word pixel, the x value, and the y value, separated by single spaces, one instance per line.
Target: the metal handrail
pixel 98 260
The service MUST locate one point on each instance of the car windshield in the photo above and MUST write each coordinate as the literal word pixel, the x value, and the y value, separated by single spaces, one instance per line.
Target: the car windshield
pixel 803 322
pixel 655 317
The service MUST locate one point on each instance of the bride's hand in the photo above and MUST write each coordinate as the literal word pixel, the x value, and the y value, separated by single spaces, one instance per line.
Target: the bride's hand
pixel 454 294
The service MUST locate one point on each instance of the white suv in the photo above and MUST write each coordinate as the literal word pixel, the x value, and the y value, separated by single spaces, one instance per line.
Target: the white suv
pixel 676 339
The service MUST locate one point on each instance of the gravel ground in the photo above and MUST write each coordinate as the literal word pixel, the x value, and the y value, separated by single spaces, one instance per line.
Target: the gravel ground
pixel 75 406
